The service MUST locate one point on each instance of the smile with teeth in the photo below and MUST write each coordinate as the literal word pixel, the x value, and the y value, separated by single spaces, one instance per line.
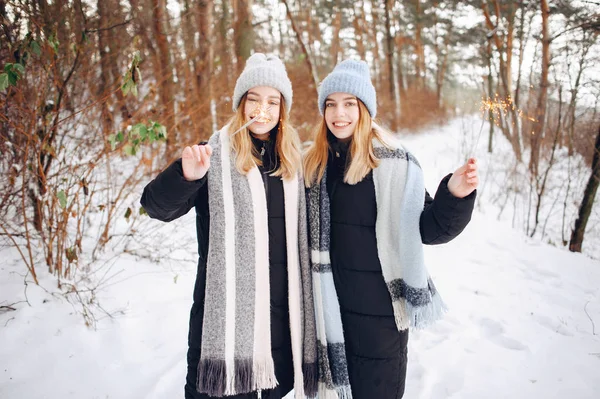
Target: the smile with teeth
pixel 341 124
pixel 263 120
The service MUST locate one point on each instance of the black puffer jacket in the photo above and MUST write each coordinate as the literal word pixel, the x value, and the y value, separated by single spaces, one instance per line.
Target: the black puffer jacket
pixel 376 351
pixel 170 196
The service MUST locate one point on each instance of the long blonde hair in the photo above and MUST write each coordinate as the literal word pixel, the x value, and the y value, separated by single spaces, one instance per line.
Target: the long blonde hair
pixel 287 144
pixel 362 154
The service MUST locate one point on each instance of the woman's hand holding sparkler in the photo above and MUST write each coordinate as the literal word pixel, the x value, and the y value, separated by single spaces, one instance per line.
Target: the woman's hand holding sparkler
pixel 195 161
pixel 464 180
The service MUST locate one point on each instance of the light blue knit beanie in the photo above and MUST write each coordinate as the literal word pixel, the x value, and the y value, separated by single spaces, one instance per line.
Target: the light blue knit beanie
pixel 263 70
pixel 352 77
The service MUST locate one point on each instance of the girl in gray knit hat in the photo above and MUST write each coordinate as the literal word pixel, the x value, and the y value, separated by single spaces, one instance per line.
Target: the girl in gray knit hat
pixel 369 216
pixel 252 326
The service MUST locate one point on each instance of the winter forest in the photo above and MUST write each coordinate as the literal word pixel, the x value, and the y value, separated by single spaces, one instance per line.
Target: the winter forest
pixel 98 96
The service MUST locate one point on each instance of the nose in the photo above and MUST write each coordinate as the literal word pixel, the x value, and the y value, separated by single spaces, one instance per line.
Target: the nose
pixel 339 110
pixel 262 107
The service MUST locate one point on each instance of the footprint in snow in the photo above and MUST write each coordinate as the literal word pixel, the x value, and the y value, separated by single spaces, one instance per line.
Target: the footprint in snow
pixel 494 331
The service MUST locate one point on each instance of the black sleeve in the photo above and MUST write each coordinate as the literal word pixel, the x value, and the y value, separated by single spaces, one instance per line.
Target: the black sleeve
pixel 170 195
pixel 445 216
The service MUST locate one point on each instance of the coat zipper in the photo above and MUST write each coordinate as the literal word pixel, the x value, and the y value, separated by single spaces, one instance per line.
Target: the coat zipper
pixel 264 172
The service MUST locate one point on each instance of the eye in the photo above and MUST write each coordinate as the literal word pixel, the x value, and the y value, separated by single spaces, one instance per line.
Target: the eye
pixel 350 104
pixel 329 105
pixel 252 100
pixel 273 102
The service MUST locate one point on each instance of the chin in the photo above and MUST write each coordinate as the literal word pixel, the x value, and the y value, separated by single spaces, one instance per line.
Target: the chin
pixel 261 129
pixel 342 135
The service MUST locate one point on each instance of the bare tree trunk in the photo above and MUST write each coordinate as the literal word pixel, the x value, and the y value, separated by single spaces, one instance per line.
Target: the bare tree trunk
pixel 359 29
pixel 188 33
pixel 189 86
pixel 104 82
pixel 281 39
pixel 337 26
pixel 574 93
pixel 490 82
pixel 541 188
pixel 510 34
pixel 140 22
pixel 165 78
pixel 243 33
pixel 307 56
pixel 419 48
pixel 204 64
pixel 540 112
pixel 376 60
pixel 400 45
pixel 589 195
pixel 226 46
pixel 441 52
pixel 116 18
pixel 389 49
pixel 514 134
pixel 315 35
pixel 522 40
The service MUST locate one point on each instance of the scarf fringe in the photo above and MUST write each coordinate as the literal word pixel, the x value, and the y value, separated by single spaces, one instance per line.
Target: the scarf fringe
pixel 230 390
pixel 343 392
pixel 311 379
pixel 424 316
pixel 401 315
pixel 264 374
pixel 211 377
pixel 243 376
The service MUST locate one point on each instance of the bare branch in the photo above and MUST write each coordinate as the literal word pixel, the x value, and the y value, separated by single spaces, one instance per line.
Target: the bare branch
pixel 110 27
pixel 588 315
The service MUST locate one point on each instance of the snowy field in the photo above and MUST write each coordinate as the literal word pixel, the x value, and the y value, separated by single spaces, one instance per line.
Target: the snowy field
pixel 524 318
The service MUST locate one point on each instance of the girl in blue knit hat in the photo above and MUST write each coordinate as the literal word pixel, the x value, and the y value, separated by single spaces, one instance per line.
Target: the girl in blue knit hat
pixel 369 216
pixel 252 328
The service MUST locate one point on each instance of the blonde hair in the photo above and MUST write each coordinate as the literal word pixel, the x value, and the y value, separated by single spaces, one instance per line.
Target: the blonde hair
pixel 287 144
pixel 362 154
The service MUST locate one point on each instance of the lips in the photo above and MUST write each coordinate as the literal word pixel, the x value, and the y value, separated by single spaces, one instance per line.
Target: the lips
pixel 262 117
pixel 341 124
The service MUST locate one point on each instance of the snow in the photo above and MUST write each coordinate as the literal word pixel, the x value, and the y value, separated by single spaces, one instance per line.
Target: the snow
pixel 523 320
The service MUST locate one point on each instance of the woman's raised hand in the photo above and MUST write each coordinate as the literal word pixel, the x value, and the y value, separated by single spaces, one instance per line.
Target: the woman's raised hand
pixel 195 161
pixel 464 180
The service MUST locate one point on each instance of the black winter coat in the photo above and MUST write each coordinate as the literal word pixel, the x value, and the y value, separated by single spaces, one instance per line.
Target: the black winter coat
pixel 376 351
pixel 170 196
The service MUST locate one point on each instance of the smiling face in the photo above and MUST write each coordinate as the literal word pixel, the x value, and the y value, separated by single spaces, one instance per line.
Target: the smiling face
pixel 264 101
pixel 341 114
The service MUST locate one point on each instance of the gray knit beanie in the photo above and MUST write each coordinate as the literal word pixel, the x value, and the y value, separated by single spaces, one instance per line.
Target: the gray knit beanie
pixel 352 77
pixel 263 70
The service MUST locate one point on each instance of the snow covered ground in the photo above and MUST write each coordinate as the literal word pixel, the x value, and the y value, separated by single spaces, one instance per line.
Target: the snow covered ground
pixel 524 318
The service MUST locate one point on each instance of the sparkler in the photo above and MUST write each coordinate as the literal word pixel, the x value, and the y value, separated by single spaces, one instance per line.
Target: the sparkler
pixel 498 107
pixel 262 113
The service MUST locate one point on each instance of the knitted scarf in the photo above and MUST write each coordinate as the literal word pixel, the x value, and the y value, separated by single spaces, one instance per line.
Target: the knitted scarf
pixel 236 338
pixel 400 193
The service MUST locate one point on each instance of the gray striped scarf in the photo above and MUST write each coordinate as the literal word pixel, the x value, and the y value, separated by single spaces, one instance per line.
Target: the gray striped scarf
pixel 400 193
pixel 236 338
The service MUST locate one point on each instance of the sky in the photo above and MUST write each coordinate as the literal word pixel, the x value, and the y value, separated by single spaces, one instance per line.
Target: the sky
pixel 523 319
